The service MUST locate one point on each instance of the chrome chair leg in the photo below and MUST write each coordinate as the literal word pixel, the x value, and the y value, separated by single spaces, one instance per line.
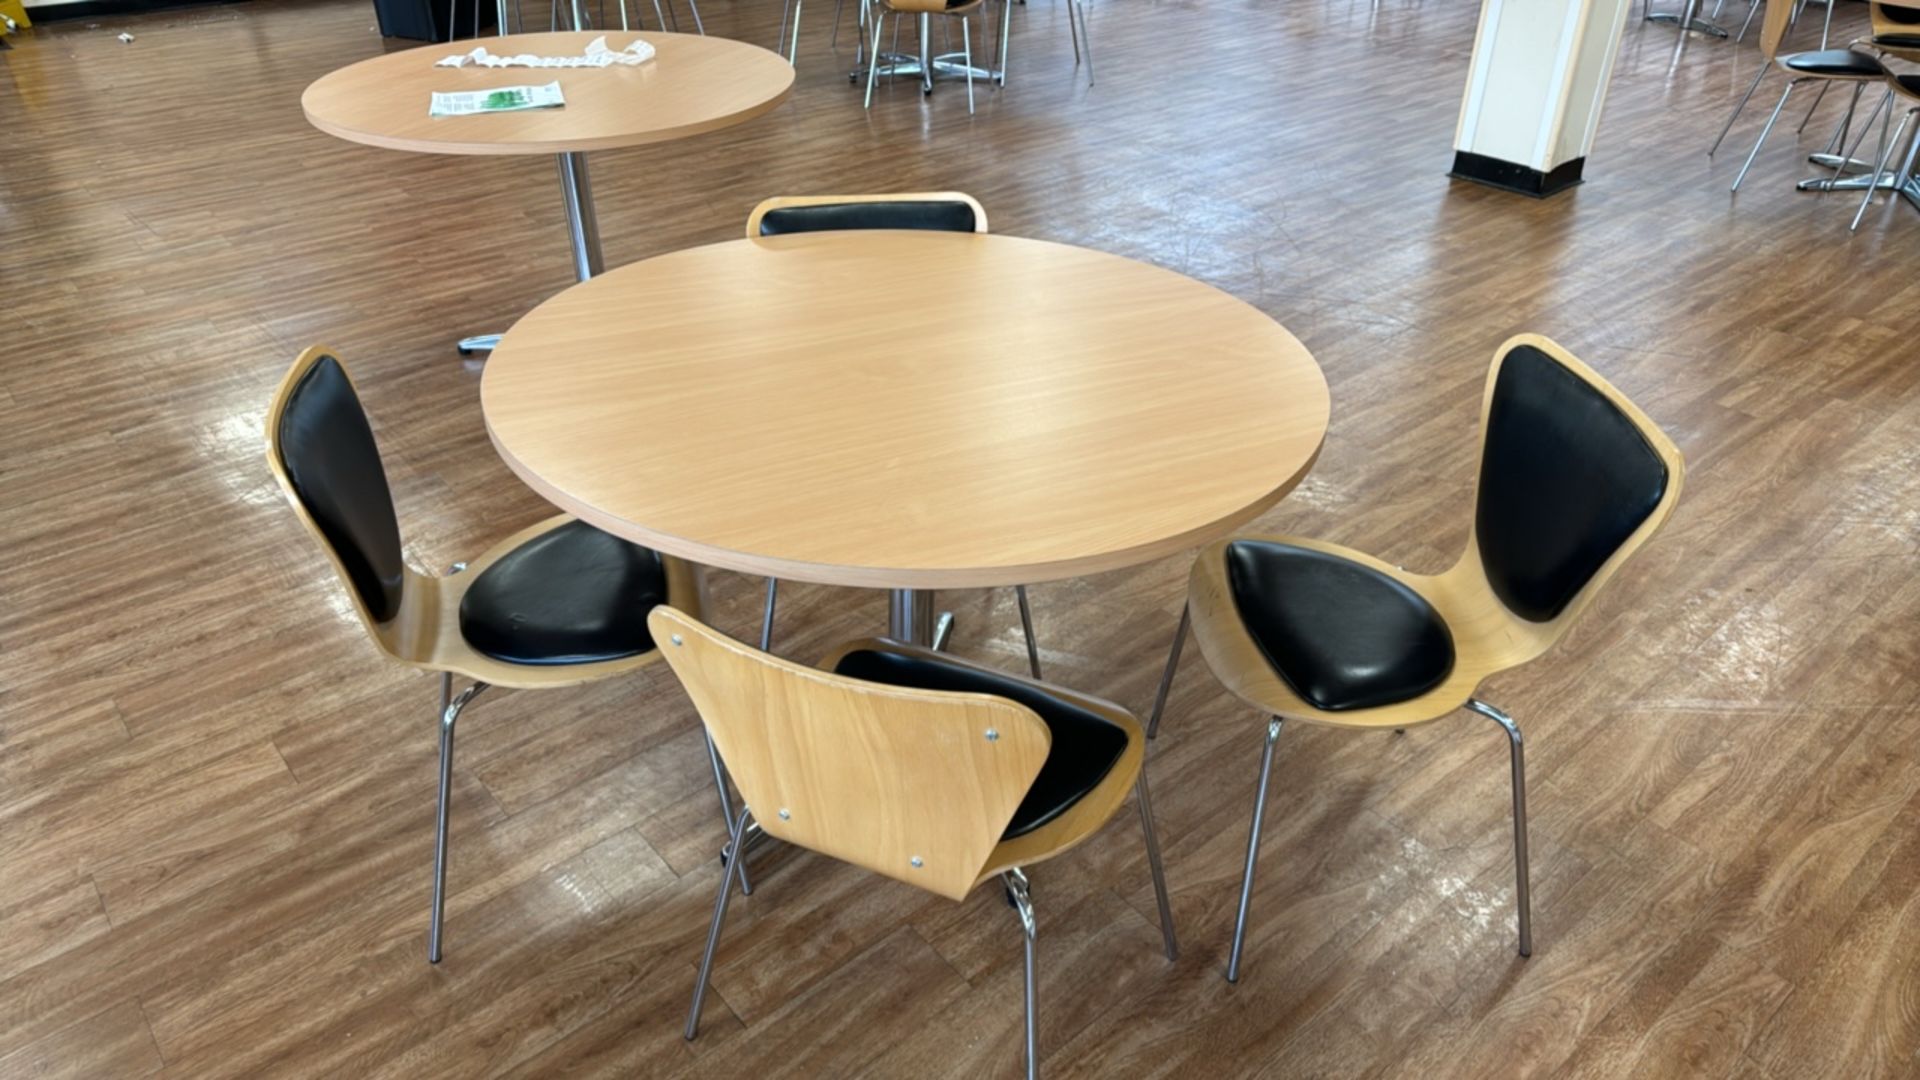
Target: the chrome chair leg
pixel 1817 99
pixel 1073 27
pixel 693 8
pixel 1521 895
pixel 1839 139
pixel 1845 154
pixel 1166 677
pixel 1086 35
pixel 1764 68
pixel 1753 8
pixel 1154 864
pixel 1019 591
pixel 736 843
pixel 726 809
pixel 1873 185
pixel 873 54
pixel 839 7
pixel 449 713
pixel 966 50
pixel 766 619
pixel 942 631
pixel 1006 26
pixel 793 50
pixel 1253 851
pixel 1022 901
pixel 1764 132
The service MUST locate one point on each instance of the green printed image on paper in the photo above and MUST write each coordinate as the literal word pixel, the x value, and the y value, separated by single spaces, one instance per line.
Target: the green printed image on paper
pixel 511 98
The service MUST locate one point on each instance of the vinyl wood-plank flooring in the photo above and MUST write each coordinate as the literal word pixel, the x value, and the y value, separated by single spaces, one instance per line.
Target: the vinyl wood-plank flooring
pixel 216 801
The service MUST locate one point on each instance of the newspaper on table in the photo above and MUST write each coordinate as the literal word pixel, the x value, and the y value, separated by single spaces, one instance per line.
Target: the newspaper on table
pixel 499 99
pixel 597 55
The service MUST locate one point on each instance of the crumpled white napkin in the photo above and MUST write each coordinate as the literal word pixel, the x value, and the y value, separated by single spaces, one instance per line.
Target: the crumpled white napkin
pixel 597 55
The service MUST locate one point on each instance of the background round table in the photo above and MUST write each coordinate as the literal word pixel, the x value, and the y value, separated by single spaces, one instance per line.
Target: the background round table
pixel 905 410
pixel 693 84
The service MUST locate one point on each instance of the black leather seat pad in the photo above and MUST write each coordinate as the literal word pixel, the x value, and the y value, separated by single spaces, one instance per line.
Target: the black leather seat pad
pixel 1085 744
pixel 929 216
pixel 573 595
pixel 1342 634
pixel 1836 62
pixel 1898 41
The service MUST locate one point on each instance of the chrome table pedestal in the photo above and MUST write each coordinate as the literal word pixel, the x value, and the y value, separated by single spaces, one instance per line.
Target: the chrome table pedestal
pixel 583 234
pixel 583 229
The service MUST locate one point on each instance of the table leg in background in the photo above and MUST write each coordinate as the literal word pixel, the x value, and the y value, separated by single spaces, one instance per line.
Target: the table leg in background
pixel 583 235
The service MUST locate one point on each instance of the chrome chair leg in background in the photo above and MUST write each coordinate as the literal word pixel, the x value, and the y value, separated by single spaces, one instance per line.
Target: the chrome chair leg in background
pixel 1521 892
pixel 1153 864
pixel 1022 903
pixel 726 811
pixel 1892 146
pixel 1166 677
pixel 1019 591
pixel 450 707
pixel 1744 98
pixel 1253 851
pixel 1764 132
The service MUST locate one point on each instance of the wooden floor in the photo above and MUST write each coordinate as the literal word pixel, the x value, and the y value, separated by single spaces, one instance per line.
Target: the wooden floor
pixel 216 801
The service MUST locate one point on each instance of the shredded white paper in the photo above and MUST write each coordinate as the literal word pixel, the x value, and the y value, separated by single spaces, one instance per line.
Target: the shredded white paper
pixel 597 55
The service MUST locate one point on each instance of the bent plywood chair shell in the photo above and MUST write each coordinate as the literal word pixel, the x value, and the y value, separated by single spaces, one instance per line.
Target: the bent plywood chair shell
pixel 424 632
pixel 875 775
pixel 782 202
pixel 1488 637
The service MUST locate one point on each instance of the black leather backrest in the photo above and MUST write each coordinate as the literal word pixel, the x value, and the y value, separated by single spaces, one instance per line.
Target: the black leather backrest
pixel 1897 14
pixel 327 449
pixel 942 216
pixel 1565 480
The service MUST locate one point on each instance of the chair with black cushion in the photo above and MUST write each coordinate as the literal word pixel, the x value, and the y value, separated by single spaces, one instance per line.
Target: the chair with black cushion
pixel 1896 30
pixel 933 211
pixel 555 604
pixel 1573 479
pixel 923 11
pixel 1825 66
pixel 907 762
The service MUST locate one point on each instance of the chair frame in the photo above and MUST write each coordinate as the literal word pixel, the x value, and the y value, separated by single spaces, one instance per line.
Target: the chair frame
pixel 424 633
pixel 735 687
pixel 1773 29
pixel 1488 638
pixel 1883 156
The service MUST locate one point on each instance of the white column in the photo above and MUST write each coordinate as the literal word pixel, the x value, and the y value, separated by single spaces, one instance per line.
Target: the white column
pixel 1539 76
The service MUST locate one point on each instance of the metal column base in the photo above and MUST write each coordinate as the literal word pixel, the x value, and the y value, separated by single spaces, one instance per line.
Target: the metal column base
pixel 478 343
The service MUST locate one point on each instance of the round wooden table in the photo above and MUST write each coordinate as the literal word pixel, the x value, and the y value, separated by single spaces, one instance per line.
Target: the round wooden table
pixel 905 410
pixel 692 85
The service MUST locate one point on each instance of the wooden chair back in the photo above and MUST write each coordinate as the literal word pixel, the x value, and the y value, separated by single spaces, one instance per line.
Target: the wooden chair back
pixel 1896 29
pixel 909 209
pixel 321 450
pixel 1773 26
pixel 1606 479
pixel 917 785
